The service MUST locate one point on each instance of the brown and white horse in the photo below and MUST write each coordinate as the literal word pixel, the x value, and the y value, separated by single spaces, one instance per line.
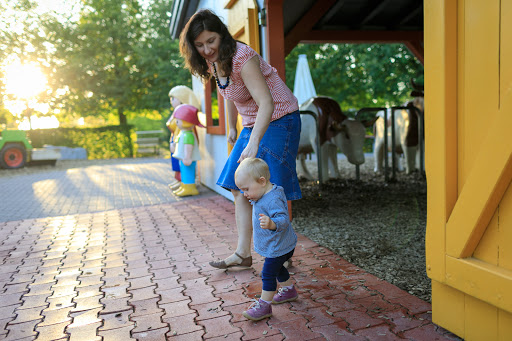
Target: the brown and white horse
pixel 335 130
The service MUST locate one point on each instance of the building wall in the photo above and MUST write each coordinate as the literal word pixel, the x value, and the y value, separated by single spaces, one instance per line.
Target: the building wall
pixel 212 147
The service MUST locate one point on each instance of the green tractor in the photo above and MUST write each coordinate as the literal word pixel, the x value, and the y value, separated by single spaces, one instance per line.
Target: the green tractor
pixel 16 151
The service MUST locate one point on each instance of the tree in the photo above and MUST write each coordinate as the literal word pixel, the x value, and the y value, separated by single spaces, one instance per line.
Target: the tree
pixel 360 75
pixel 95 60
pixel 18 29
pixel 160 61
pixel 118 57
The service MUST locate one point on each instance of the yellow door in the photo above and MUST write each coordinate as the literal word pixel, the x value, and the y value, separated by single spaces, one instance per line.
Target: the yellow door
pixel 243 22
pixel 243 26
pixel 468 82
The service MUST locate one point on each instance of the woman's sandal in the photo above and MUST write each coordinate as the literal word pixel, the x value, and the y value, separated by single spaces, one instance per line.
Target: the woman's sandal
pixel 221 264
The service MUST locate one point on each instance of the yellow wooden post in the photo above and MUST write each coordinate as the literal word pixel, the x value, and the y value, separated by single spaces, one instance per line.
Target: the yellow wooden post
pixel 468 95
pixel 441 138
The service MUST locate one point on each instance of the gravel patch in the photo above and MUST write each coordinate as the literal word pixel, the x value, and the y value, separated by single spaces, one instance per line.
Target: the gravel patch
pixel 376 225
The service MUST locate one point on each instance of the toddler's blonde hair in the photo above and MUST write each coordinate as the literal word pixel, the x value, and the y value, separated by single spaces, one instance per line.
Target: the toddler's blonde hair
pixel 255 167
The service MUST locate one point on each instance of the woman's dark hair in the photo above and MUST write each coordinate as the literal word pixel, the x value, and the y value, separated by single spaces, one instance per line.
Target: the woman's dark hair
pixel 206 20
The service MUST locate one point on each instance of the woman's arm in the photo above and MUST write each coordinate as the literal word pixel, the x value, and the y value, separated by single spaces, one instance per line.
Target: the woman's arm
pixel 258 88
pixel 232 120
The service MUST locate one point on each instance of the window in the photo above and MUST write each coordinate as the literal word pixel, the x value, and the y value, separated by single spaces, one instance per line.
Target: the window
pixel 214 107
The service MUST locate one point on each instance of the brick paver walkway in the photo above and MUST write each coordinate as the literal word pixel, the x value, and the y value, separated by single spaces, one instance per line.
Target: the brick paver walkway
pixel 107 185
pixel 142 273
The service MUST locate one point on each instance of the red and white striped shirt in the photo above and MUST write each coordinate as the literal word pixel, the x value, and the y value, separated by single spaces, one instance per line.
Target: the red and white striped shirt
pixel 284 100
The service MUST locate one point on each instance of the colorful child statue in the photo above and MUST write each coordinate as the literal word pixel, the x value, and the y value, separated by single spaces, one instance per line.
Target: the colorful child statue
pixel 187 150
pixel 178 95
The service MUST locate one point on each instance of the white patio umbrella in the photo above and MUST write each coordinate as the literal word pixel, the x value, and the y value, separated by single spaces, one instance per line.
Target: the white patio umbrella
pixel 303 88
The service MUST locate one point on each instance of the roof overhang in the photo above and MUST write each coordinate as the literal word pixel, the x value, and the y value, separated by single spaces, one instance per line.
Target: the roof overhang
pixel 181 11
pixel 353 21
pixel 336 21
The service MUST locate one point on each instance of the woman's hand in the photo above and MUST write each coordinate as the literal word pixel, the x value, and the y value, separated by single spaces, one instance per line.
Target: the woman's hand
pixel 232 136
pixel 172 147
pixel 266 223
pixel 251 150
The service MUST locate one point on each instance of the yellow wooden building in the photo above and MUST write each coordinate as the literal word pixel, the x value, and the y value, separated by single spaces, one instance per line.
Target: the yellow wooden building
pixel 466 46
pixel 468 86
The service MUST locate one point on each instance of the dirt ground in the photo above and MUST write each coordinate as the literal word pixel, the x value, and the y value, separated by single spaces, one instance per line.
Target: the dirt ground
pixel 376 225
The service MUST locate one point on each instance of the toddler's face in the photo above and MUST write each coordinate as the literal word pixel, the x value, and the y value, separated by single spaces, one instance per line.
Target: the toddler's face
pixel 252 189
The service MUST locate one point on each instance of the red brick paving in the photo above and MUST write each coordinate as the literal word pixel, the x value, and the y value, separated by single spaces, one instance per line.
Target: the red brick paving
pixel 143 274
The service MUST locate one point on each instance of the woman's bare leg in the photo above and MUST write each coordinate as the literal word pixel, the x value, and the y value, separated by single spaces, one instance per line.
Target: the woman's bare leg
pixel 243 217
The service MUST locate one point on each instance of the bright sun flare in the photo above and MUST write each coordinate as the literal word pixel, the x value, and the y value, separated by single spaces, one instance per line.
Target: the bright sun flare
pixel 24 80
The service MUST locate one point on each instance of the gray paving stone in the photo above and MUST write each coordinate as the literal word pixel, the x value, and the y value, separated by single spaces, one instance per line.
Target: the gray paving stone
pixel 95 186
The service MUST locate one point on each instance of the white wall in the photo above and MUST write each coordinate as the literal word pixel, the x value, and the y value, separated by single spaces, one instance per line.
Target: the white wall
pixel 213 147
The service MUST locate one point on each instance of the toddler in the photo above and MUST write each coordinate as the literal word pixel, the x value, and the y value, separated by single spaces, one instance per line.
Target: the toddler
pixel 274 237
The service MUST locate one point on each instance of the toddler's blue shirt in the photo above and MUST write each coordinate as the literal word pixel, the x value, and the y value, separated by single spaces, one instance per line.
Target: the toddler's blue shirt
pixel 279 242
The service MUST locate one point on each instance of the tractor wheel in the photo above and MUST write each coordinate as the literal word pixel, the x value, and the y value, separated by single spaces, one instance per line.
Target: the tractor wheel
pixel 13 155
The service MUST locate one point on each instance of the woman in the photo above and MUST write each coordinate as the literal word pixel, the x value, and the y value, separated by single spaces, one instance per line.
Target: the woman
pixel 269 112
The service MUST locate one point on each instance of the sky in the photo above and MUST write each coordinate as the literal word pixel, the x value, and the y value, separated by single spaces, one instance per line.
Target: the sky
pixel 65 8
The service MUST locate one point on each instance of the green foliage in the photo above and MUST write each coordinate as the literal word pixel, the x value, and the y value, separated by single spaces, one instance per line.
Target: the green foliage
pixel 101 143
pixel 115 60
pixel 6 118
pixel 358 75
pixel 144 123
pixel 159 59
pixel 117 57
pixel 95 57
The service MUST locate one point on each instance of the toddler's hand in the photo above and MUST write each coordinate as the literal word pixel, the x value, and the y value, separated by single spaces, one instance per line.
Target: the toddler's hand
pixel 266 223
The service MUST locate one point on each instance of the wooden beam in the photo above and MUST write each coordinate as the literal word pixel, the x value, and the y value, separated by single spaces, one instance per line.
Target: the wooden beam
pixel 411 15
pixel 483 187
pixel 332 12
pixel 350 36
pixel 481 280
pixel 229 3
pixel 417 49
pixel 306 23
pixel 374 12
pixel 275 36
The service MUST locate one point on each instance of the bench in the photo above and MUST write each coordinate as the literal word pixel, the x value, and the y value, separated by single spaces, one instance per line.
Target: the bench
pixel 148 141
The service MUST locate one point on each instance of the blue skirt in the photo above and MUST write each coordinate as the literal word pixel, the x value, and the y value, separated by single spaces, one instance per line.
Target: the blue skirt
pixel 278 148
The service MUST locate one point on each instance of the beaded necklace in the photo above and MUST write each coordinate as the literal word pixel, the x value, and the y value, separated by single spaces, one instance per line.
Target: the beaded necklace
pixel 217 79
